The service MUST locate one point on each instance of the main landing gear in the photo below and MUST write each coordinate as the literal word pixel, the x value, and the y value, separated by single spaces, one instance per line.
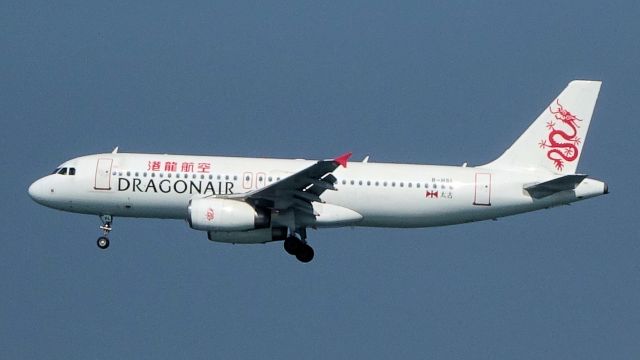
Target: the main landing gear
pixel 103 241
pixel 299 247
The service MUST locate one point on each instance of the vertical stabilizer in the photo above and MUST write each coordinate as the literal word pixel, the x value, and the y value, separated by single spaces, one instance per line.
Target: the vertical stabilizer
pixel 554 141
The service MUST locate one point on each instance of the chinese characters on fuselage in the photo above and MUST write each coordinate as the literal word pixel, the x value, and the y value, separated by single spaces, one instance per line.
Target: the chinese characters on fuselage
pixel 179 186
pixel 185 166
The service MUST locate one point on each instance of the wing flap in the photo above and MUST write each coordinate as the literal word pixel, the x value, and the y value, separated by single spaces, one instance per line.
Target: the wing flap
pixel 306 195
pixel 298 190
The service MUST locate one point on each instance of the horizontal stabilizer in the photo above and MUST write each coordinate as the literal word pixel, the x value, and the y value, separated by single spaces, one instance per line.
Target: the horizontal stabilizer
pixel 567 182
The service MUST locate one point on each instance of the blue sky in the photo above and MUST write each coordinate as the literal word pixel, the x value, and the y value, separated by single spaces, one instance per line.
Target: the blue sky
pixel 420 82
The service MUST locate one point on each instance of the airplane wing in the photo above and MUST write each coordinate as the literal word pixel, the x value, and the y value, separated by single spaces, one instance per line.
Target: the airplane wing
pixel 299 189
pixel 567 182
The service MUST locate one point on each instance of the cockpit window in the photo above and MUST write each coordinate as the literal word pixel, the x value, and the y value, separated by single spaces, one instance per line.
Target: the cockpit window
pixel 64 171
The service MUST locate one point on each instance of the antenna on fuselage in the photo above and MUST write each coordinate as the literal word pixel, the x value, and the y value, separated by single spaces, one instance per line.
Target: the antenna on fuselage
pixel 115 151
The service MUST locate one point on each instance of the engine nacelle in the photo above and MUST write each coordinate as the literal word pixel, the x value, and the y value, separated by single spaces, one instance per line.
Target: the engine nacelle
pixel 259 236
pixel 211 214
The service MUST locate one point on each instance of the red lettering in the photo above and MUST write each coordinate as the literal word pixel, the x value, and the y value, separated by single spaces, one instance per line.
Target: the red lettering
pixel 204 167
pixel 154 166
pixel 187 167
pixel 170 166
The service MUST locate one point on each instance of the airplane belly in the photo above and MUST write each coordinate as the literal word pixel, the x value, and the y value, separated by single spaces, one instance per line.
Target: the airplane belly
pixel 330 215
pixel 409 208
pixel 140 205
pixel 166 206
pixel 404 208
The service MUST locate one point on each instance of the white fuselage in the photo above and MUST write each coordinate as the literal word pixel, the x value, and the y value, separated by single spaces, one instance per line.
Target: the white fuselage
pixel 256 200
pixel 385 195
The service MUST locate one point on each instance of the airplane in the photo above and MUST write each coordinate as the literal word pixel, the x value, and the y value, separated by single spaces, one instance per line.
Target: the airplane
pixel 260 200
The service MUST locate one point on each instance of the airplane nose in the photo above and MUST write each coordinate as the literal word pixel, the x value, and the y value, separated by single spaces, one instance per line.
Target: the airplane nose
pixel 37 191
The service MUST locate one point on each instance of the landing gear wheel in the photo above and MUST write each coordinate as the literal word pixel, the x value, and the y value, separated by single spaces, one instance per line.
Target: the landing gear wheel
pixel 305 253
pixel 103 242
pixel 292 244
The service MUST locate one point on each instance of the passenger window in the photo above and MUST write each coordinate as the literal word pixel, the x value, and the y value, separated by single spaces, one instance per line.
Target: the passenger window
pixel 72 171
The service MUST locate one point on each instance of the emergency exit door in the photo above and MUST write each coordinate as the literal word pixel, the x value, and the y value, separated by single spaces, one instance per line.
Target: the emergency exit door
pixel 483 189
pixel 103 174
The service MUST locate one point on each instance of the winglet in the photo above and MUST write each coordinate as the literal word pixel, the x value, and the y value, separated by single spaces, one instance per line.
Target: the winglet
pixel 342 159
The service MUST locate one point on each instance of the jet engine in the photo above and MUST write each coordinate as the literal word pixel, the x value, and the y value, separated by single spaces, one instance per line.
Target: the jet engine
pixel 259 236
pixel 212 214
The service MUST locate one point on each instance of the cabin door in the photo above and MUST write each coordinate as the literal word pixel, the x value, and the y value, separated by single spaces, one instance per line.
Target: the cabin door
pixel 103 174
pixel 483 189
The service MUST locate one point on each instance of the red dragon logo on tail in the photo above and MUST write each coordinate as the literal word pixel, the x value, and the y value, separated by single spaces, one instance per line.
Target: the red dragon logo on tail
pixel 563 142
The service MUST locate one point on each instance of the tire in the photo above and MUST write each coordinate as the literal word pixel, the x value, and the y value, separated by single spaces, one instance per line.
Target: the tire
pixel 292 244
pixel 305 253
pixel 103 242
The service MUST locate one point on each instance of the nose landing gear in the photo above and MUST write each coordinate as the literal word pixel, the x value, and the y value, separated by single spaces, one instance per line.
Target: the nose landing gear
pixel 103 241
